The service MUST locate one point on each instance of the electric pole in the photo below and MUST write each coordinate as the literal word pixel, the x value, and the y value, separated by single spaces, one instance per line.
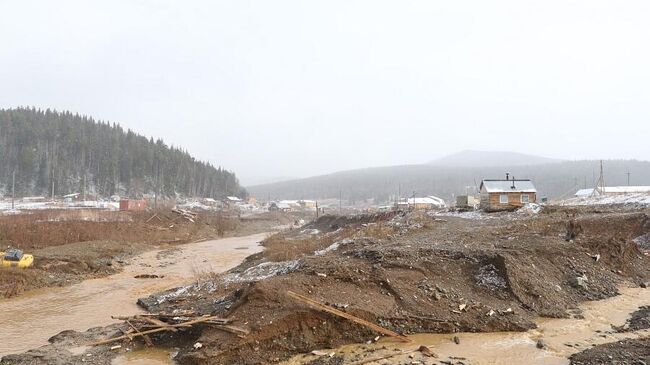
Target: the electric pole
pixel 628 177
pixel 13 188
pixel 340 198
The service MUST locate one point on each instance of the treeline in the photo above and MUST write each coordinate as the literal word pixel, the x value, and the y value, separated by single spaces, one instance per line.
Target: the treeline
pixel 63 153
pixel 383 184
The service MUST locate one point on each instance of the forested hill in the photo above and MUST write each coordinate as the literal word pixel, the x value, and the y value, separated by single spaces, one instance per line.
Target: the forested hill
pixel 62 150
pixel 552 180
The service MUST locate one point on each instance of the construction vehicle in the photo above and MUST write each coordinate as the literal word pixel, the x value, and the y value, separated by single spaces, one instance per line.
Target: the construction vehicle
pixel 16 258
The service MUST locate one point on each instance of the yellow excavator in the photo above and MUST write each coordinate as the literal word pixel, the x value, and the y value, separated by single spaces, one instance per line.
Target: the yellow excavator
pixel 16 258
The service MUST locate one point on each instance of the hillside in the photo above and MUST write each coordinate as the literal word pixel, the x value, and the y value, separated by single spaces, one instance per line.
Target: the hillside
pixel 470 158
pixel 553 180
pixel 59 150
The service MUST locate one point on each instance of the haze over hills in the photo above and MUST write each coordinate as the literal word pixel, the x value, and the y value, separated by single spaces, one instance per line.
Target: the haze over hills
pixel 471 158
pixel 66 152
pixel 558 179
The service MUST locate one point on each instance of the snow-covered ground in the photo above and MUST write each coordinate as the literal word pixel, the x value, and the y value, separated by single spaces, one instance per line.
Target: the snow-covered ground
pixel 633 200
pixel 5 205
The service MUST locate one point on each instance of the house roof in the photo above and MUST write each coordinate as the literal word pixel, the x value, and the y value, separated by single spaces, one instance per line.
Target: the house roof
pixel 233 198
pixel 616 190
pixel 432 200
pixel 506 186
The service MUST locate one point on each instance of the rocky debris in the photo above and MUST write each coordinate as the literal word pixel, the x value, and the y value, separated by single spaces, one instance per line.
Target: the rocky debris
pixel 489 276
pixel 580 282
pixel 454 276
pixel 639 320
pixel 627 352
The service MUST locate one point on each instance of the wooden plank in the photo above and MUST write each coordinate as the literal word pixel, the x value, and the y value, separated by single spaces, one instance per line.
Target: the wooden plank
pixel 363 322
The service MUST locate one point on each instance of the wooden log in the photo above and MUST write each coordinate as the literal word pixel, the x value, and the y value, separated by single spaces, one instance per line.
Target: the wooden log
pixel 363 322
pixel 152 217
pixel 159 323
pixel 160 329
pixel 147 339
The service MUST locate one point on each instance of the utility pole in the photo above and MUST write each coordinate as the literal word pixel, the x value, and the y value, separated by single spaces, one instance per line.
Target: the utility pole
pixel 399 194
pixel 13 188
pixel 84 187
pixel 316 208
pixel 600 185
pixel 628 177
pixel 52 185
pixel 340 199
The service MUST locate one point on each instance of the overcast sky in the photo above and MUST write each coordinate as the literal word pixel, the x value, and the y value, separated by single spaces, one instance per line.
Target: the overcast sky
pixel 298 88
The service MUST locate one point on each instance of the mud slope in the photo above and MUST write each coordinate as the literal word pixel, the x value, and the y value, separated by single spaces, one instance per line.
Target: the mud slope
pixel 412 274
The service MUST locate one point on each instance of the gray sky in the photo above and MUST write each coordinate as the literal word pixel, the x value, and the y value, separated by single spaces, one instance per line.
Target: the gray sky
pixel 298 88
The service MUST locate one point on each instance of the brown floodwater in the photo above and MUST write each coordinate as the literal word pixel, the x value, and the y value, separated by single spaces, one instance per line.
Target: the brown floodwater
pixel 505 348
pixel 147 356
pixel 29 320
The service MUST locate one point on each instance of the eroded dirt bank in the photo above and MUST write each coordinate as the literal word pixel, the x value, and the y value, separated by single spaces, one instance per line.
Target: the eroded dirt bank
pixel 71 246
pixel 411 274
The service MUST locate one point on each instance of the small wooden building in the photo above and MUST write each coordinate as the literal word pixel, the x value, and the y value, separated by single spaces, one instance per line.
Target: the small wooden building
pixel 508 194
pixel 133 204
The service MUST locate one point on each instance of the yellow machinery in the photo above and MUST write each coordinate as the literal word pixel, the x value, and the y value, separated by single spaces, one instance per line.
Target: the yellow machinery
pixel 16 258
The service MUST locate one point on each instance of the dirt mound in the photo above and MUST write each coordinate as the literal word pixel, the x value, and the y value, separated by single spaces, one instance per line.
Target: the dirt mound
pixel 330 223
pixel 635 351
pixel 445 276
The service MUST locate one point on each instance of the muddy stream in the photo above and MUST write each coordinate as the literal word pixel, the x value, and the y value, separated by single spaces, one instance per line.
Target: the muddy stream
pixel 29 320
pixel 563 337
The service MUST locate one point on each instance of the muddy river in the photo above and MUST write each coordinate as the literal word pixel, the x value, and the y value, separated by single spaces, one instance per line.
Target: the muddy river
pixel 29 320
pixel 563 337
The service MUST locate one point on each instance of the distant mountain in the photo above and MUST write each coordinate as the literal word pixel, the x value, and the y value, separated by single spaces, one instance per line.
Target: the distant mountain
pixel 68 153
pixel 553 180
pixel 470 158
pixel 260 180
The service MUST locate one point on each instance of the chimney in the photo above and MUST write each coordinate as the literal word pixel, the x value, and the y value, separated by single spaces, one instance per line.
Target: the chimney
pixel 507 176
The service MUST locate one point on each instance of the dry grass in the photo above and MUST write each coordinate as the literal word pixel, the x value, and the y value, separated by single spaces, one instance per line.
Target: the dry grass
pixel 41 229
pixel 281 247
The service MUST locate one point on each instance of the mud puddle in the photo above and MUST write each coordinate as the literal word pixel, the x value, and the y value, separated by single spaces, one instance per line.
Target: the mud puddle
pixel 561 337
pixel 151 356
pixel 29 320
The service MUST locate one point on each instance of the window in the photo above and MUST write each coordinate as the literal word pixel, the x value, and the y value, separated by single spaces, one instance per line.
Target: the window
pixel 503 199
pixel 525 198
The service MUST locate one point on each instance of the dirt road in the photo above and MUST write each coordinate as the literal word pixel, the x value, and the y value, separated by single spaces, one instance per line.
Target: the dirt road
pixel 28 321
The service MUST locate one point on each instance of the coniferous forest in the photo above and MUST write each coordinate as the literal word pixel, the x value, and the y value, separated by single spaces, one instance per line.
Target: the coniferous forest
pixel 65 153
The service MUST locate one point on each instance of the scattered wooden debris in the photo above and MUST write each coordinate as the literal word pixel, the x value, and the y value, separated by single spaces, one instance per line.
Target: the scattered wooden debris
pixel 363 322
pixel 186 214
pixel 142 325
pixel 378 358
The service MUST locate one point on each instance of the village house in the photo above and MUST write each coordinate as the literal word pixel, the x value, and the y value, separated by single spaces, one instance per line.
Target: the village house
pixel 508 194
pixel 614 190
pixel 425 203
pixel 133 204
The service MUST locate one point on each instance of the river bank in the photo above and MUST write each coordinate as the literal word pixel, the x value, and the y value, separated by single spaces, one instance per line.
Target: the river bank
pixel 30 320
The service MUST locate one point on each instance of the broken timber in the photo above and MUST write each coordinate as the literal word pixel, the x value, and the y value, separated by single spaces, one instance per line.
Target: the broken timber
pixel 363 322
pixel 144 324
